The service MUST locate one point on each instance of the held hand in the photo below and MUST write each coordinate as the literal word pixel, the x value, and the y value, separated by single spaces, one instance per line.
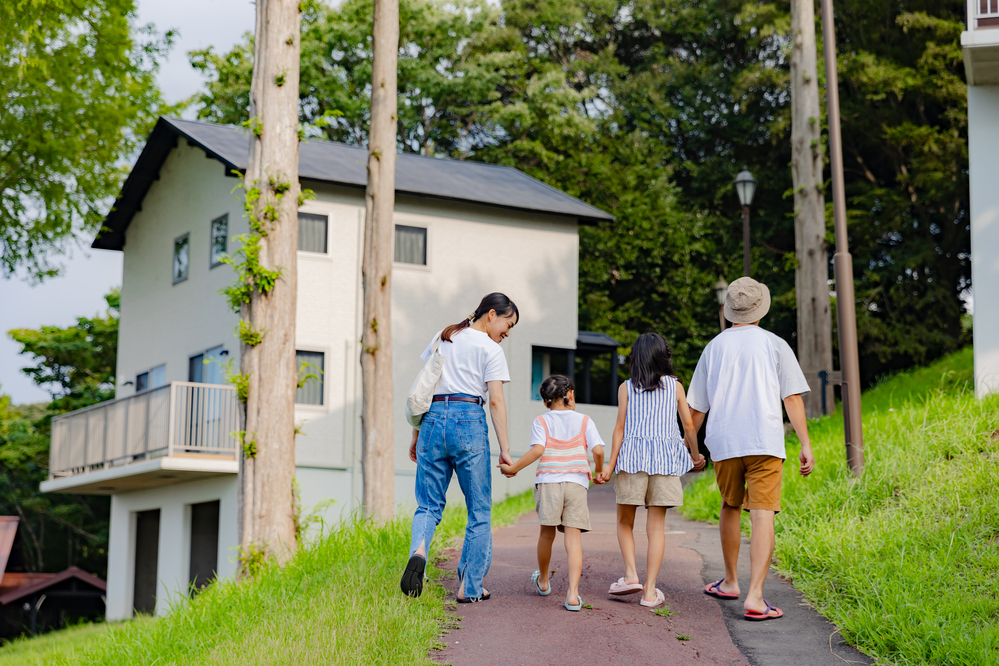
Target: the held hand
pixel 506 470
pixel 807 459
pixel 605 473
pixel 505 458
pixel 598 478
pixel 412 446
pixel 699 463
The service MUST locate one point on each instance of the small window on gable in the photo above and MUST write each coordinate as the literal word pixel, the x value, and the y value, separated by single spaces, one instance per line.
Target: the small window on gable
pixel 181 258
pixel 141 381
pixel 410 245
pixel 157 376
pixel 196 368
pixel 310 363
pixel 312 232
pixel 219 240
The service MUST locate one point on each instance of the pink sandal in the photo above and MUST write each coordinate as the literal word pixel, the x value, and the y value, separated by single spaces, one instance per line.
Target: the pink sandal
pixel 620 588
pixel 660 600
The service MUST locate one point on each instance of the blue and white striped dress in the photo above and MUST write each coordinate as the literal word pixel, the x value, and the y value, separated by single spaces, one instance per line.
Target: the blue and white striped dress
pixel 652 441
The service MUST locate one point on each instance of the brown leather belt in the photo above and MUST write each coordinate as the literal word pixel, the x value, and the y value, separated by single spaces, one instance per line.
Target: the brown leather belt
pixel 456 398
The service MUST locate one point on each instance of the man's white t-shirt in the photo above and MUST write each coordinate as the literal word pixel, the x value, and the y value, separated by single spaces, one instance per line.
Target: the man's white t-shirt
pixel 564 424
pixel 742 377
pixel 471 359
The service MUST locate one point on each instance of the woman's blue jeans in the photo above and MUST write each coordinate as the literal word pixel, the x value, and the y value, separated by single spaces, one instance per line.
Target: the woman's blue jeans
pixel 454 438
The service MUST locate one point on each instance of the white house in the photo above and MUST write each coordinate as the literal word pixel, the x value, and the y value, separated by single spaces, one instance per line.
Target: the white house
pixel 980 43
pixel 164 449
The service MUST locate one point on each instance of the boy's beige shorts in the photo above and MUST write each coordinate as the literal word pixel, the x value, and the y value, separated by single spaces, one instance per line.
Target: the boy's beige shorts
pixel 562 505
pixel 641 489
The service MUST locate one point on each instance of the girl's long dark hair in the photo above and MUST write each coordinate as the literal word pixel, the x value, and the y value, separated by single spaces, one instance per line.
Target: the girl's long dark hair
pixel 495 301
pixel 651 359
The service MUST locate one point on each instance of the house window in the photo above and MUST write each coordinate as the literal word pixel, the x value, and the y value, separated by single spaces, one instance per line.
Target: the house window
pixel 219 240
pixel 196 368
pixel 312 232
pixel 410 245
pixel 151 378
pixel 207 366
pixel 181 256
pixel 548 361
pixel 310 363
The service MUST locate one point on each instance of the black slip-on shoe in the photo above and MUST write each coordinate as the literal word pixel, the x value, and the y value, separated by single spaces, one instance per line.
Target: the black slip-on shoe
pixel 412 577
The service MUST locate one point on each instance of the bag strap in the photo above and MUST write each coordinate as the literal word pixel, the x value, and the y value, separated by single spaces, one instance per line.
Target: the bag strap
pixel 437 345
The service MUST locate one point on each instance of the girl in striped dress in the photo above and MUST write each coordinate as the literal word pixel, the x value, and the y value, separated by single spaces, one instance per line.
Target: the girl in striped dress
pixel 561 439
pixel 649 455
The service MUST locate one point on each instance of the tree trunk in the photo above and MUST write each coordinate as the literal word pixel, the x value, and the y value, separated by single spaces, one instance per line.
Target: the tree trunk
pixel 267 522
pixel 812 273
pixel 378 452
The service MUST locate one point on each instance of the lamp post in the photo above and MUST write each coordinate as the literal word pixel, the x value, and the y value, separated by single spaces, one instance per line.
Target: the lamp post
pixel 721 291
pixel 745 187
pixel 846 312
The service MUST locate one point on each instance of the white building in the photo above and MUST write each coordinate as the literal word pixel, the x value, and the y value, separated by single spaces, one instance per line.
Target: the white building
pixel 163 449
pixel 981 65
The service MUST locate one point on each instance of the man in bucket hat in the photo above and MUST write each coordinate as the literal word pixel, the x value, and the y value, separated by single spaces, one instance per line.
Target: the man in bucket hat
pixel 742 377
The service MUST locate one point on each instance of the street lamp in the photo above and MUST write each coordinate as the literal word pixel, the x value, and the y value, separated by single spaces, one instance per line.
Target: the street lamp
pixel 745 187
pixel 721 291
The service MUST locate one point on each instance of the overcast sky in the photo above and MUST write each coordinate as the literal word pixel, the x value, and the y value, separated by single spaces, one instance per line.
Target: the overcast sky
pixel 89 274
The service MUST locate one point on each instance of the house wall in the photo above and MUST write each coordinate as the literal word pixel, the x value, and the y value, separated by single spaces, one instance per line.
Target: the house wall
pixel 173 560
pixel 162 322
pixel 983 149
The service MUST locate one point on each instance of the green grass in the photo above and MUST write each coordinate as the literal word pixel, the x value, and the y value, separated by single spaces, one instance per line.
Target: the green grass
pixel 336 602
pixel 42 650
pixel 905 560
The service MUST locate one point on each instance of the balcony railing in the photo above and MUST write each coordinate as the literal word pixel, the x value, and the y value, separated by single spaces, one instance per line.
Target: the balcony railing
pixel 983 14
pixel 179 419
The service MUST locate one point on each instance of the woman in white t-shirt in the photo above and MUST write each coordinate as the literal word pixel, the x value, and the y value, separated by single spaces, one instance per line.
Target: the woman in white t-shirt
pixel 453 438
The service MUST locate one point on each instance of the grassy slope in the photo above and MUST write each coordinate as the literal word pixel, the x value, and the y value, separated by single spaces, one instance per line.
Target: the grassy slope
pixel 337 602
pixel 906 560
pixel 68 643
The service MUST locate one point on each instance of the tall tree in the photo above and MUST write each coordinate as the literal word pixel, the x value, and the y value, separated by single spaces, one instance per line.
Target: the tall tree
pixel 266 291
pixel 811 273
pixel 378 452
pixel 79 94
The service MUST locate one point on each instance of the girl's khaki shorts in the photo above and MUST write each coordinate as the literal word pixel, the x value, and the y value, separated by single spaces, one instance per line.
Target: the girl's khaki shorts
pixel 562 505
pixel 642 489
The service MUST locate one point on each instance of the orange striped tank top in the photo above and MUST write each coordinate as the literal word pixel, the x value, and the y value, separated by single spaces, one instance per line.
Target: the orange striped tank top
pixel 564 456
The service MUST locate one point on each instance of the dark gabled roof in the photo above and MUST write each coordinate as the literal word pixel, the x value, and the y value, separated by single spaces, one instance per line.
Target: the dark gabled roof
pixel 40 582
pixel 593 341
pixel 328 162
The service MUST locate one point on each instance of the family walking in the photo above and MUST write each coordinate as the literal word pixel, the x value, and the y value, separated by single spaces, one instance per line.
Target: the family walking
pixel 742 378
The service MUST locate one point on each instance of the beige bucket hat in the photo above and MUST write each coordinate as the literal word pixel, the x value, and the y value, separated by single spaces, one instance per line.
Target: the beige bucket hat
pixel 747 301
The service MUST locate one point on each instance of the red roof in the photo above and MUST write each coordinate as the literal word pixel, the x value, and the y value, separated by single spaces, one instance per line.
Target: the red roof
pixel 31 583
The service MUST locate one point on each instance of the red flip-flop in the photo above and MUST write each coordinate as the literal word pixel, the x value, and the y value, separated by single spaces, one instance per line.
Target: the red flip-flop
pixel 757 616
pixel 714 590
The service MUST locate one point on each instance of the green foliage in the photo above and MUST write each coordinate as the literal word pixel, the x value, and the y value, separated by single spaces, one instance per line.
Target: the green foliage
pixel 305 375
pixel 320 608
pixel 683 637
pixel 68 643
pixel 77 364
pixel 664 612
pixel 904 559
pixel 79 95
pixel 647 111
pixel 248 335
pixel 251 274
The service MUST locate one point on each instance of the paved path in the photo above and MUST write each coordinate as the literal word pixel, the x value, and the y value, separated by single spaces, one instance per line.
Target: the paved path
pixel 517 626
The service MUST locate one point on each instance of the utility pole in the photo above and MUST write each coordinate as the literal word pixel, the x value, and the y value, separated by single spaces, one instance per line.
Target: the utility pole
pixel 811 275
pixel 378 444
pixel 267 314
pixel 846 311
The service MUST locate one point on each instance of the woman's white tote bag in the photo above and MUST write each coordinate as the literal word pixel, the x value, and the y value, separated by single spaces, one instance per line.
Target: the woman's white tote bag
pixel 422 392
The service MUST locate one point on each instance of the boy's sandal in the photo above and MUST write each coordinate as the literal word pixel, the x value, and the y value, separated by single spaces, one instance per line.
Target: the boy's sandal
pixel 771 613
pixel 660 600
pixel 620 588
pixel 535 577
pixel 578 606
pixel 714 590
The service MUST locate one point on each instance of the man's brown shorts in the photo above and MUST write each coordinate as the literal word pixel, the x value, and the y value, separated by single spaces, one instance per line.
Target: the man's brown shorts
pixel 752 482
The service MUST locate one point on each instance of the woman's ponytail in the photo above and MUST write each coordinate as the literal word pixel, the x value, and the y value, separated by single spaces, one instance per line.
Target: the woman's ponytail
pixel 496 301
